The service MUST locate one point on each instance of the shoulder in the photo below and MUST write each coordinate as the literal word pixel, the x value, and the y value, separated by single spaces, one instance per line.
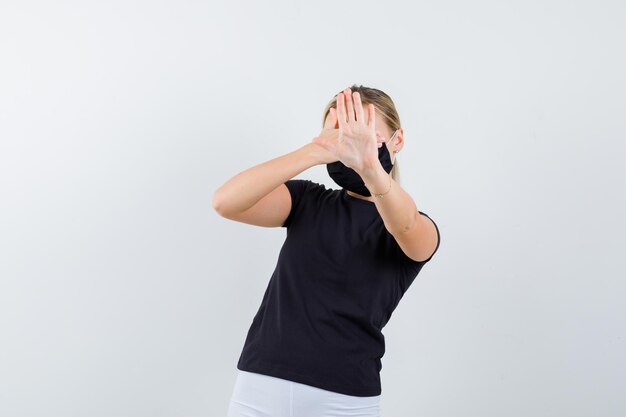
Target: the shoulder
pixel 299 187
pixel 306 197
pixel 301 183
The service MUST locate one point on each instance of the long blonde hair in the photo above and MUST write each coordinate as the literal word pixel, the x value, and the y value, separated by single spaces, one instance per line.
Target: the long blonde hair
pixel 384 106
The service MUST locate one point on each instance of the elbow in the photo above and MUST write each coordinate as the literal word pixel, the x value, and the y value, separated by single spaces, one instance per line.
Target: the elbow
pixel 223 204
pixel 218 203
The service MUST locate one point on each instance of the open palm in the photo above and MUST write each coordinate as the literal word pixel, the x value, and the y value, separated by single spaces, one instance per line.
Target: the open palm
pixel 357 146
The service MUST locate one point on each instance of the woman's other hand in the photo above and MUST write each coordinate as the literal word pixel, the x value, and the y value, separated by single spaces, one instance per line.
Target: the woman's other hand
pixel 326 141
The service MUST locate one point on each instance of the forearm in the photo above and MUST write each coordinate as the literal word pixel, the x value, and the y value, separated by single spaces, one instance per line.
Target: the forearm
pixel 247 187
pixel 397 208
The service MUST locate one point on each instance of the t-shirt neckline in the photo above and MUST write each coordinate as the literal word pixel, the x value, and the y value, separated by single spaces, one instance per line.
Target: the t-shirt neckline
pixel 357 200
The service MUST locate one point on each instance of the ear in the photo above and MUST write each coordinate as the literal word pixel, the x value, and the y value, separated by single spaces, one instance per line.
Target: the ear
pixel 399 139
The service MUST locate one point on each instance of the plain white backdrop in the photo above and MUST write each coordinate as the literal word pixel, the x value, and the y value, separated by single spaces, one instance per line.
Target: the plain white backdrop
pixel 122 292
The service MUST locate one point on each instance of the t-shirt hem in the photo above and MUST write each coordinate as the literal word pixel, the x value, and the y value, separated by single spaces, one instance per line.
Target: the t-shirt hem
pixel 300 377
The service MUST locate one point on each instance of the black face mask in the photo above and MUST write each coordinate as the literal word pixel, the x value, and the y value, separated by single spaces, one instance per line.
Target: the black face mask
pixel 349 179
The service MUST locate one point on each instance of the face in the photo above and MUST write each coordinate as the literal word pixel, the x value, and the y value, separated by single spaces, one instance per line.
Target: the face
pixel 383 133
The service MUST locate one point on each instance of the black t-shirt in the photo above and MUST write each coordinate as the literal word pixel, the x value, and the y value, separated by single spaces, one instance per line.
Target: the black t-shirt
pixel 340 274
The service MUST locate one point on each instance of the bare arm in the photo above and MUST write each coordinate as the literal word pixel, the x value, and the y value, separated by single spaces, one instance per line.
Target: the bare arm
pixel 241 193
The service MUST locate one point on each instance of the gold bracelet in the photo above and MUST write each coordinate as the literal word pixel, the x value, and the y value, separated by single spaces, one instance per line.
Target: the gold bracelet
pixel 381 195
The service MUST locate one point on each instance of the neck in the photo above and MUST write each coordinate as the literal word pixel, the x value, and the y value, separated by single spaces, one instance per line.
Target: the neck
pixel 362 197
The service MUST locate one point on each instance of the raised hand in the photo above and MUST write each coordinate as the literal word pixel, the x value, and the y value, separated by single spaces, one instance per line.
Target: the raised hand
pixel 357 145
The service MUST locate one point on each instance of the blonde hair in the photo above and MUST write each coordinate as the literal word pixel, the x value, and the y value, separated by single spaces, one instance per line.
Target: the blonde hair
pixel 383 106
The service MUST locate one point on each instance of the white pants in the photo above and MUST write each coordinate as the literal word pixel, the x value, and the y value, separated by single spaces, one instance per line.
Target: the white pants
pixel 258 395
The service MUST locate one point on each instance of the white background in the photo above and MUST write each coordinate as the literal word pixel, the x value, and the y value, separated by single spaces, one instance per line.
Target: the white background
pixel 123 293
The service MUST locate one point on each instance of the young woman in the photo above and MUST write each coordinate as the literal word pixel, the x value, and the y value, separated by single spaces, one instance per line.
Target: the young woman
pixel 315 345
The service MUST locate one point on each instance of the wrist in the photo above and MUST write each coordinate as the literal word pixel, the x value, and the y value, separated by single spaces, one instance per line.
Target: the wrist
pixel 310 153
pixel 376 179
pixel 372 172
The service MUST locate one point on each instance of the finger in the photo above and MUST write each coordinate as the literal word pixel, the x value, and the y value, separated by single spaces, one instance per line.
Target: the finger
pixel 372 115
pixel 334 123
pixel 358 107
pixel 348 94
pixel 331 119
pixel 341 111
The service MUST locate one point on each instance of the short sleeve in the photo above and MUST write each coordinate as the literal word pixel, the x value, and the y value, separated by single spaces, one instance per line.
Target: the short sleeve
pixel 438 237
pixel 298 189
